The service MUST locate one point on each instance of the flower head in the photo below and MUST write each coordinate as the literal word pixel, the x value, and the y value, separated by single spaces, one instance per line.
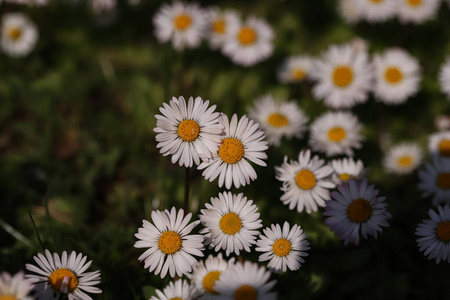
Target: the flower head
pixel 15 287
pixel 435 180
pixel 403 158
pixel 19 34
pixel 179 289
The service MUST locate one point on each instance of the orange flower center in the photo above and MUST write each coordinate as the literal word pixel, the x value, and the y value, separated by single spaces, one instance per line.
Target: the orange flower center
pixel 359 210
pixel 209 280
pixel 245 292
pixel 443 181
pixel 181 22
pixel 305 179
pixel 169 242
pixel 342 76
pixel 393 75
pixel 219 26
pixel 444 148
pixel 230 223
pixel 414 3
pixel 336 134
pixel 188 130
pixel 231 151
pixel 277 120
pixel 298 74
pixel 63 276
pixel 247 36
pixel 443 231
pixel 404 161
pixel 281 247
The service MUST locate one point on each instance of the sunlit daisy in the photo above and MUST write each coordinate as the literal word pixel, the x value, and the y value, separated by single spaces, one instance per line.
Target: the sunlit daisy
pixel 231 222
pixel 66 274
pixel 246 281
pixel 347 168
pixel 295 69
pixel 170 246
pixel 19 34
pixel 241 142
pixel 279 118
pixel 349 11
pixel 403 158
pixel 375 11
pixel 343 77
pixel 444 77
pixel 283 247
pixel 250 42
pixel 435 180
pixel 434 235
pixel 184 24
pixel 417 11
pixel 15 287
pixel 178 290
pixel 188 130
pixel 356 209
pixel 220 23
pixel 305 182
pixel 336 133
pixel 439 144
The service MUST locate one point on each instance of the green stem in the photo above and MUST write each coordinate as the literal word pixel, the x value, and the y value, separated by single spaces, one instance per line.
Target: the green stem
pixel 36 231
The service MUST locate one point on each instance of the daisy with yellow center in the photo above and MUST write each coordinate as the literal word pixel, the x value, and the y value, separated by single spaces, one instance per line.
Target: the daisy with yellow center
pixel 444 77
pixel 170 245
pixel 285 248
pixel 178 290
pixel 295 69
pixel 435 180
pixel 417 11
pixel 356 210
pixel 220 23
pixel 403 158
pixel 15 287
pixel 63 275
pixel 346 169
pixel 231 223
pixel 19 34
pixel 376 11
pixel 439 144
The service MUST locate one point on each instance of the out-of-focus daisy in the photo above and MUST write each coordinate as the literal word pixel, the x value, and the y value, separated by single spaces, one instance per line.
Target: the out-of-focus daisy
pixel 231 222
pixel 295 69
pixel 347 168
pixel 343 77
pixel 66 274
pixel 179 289
pixel 417 11
pixel 184 24
pixel 250 42
pixel 439 144
pixel 206 274
pixel 336 133
pixel 19 34
pixel 241 142
pixel 350 11
pixel 356 209
pixel 403 158
pixel 246 281
pixel 187 131
pixel 305 182
pixel 444 77
pixel 278 118
pixel 15 287
pixel 283 247
pixel 397 76
pixel 435 235
pixel 220 22
pixel 435 180
pixel 170 246
pixel 375 11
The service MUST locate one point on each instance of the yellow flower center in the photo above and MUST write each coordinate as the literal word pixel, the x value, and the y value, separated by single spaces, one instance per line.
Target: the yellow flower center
pixel 342 76
pixel 188 130
pixel 376 1
pixel 345 176
pixel 219 26
pixel 182 22
pixel 247 36
pixel 169 242
pixel 359 210
pixel 209 280
pixel 444 148
pixel 336 134
pixel 281 247
pixel 176 298
pixel 61 275
pixel 414 3
pixel 443 181
pixel 231 150
pixel 230 223
pixel 443 231
pixel 404 161
pixel 305 179
pixel 14 33
pixel 245 292
pixel 393 75
pixel 8 297
pixel 277 120
pixel 298 74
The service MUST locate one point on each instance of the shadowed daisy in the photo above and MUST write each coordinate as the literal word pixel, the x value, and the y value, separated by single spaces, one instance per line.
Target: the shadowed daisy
pixel 403 158
pixel 417 11
pixel 435 180
pixel 376 11
pixel 178 290
pixel 347 168
pixel 444 77
pixel 439 144
pixel 19 34
pixel 220 22
pixel 15 287
pixel 349 11
pixel 295 69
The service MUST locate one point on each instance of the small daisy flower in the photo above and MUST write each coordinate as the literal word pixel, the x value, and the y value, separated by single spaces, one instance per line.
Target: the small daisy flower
pixel 295 69
pixel 439 144
pixel 19 34
pixel 346 168
pixel 435 180
pixel 444 77
pixel 376 11
pixel 279 118
pixel 179 289
pixel 246 281
pixel 403 158
pixel 349 11
pixel 241 142
pixel 356 210
pixel 184 24
pixel 435 235
pixel 336 133
pixel 231 222
pixel 66 274
pixel 283 247
pixel 417 11
pixel 305 182
pixel 170 245
pixel 343 77
pixel 15 287
pixel 249 43
pixel 220 23
pixel 187 131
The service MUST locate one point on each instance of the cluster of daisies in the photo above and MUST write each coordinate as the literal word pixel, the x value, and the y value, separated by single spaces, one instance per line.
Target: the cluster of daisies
pixel 245 42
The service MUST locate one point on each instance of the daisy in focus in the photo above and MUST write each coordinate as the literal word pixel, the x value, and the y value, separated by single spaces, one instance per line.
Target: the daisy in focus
pixel 231 222
pixel 241 142
pixel 444 77
pixel 283 247
pixel 295 69
pixel 349 11
pixel 417 11
pixel 439 144
pixel 179 289
pixel 305 182
pixel 15 287
pixel 403 158
pixel 63 275
pixel 19 34
pixel 278 118
pixel 434 235
pixel 187 130
pixel 220 22
pixel 184 24
pixel 346 168
pixel 336 133
pixel 356 209
pixel 170 245
pixel 435 180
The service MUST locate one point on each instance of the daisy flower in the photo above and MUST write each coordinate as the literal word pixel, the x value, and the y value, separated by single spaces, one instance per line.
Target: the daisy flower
pixel 15 287
pixel 179 289
pixel 349 11
pixel 103 6
pixel 19 34
pixel 241 142
pixel 305 182
pixel 343 77
pixel 295 69
pixel 246 281
pixel 356 209
pixel 439 144
pixel 346 168
pixel 220 23
pixel 279 118
pixel 184 24
pixel 403 158
pixel 170 246
pixel 66 274
pixel 336 133
pixel 435 180
pixel 249 43
pixel 444 77
pixel 231 222
pixel 435 235
pixel 375 11
pixel 283 247
pixel 187 131
pixel 417 11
